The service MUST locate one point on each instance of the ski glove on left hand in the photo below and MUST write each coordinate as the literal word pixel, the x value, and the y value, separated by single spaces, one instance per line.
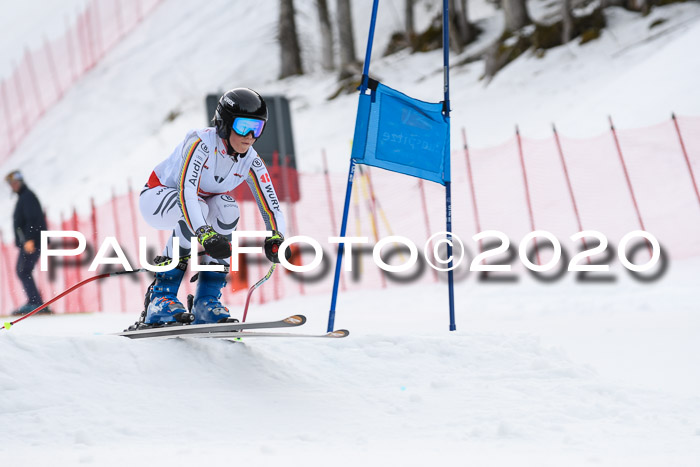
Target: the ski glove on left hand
pixel 215 245
pixel 272 246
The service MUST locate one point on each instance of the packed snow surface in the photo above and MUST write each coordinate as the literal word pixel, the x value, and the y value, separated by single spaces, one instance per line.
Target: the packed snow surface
pixel 116 123
pixel 572 374
pixel 537 374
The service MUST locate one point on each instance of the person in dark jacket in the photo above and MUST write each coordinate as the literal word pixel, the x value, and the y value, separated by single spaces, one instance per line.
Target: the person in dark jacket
pixel 29 221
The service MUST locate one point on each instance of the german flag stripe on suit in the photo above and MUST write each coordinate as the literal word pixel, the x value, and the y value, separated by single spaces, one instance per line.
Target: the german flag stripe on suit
pixel 181 182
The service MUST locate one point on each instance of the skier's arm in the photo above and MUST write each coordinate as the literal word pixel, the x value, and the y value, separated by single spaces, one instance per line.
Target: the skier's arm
pixel 260 185
pixel 194 155
pixel 34 218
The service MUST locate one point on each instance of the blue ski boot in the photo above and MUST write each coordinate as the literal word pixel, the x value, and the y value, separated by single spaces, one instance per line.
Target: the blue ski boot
pixel 163 307
pixel 207 308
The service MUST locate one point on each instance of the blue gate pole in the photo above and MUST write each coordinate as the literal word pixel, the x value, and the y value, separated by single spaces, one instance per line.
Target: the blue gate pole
pixel 450 273
pixel 351 174
pixel 341 247
pixel 448 183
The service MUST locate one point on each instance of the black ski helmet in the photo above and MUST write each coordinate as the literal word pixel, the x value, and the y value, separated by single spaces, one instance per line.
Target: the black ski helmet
pixel 238 102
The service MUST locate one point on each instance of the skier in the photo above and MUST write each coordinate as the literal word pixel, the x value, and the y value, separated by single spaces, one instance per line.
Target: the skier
pixel 186 194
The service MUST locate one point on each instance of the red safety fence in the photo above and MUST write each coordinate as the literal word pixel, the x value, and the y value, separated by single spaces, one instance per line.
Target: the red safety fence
pixel 614 183
pixel 43 75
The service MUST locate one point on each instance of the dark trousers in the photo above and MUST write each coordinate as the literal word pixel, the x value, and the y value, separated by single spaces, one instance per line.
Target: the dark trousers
pixel 25 265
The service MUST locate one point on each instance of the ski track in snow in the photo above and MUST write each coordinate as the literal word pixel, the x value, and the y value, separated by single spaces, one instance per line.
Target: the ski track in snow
pixel 570 378
pixel 545 375
pixel 273 399
pixel 158 69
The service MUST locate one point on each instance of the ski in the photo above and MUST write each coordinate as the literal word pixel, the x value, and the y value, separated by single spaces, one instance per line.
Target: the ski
pixel 205 329
pixel 340 333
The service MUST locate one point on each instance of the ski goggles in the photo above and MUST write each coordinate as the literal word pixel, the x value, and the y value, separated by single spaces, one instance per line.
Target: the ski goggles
pixel 243 126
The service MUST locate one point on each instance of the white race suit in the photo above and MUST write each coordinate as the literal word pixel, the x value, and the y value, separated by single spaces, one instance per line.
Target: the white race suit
pixel 188 190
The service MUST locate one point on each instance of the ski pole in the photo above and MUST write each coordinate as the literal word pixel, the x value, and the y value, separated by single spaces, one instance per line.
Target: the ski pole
pixel 255 286
pixel 9 324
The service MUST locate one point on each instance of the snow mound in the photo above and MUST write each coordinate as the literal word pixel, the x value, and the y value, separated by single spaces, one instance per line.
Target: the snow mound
pixel 106 400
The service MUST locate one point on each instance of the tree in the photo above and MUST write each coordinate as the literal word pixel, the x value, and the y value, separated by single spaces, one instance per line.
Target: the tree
pixel 327 61
pixel 346 40
pixel 290 54
pixel 410 23
pixel 461 30
pixel 504 51
pixel 567 21
pixel 516 14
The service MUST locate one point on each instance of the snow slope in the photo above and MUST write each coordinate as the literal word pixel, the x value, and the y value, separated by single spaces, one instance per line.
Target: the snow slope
pixel 537 374
pixel 26 24
pixel 114 120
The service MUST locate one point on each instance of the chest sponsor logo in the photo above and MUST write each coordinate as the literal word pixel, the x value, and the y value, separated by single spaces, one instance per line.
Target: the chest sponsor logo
pixel 257 162
pixel 238 175
pixel 204 148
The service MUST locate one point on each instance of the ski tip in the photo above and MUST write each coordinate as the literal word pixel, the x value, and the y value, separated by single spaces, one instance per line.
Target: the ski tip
pixel 339 333
pixel 296 320
pixel 7 326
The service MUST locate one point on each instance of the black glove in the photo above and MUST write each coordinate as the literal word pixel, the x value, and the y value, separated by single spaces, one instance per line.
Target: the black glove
pixel 215 245
pixel 272 246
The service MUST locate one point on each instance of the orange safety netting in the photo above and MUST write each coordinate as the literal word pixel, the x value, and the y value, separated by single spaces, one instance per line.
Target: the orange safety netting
pixel 661 163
